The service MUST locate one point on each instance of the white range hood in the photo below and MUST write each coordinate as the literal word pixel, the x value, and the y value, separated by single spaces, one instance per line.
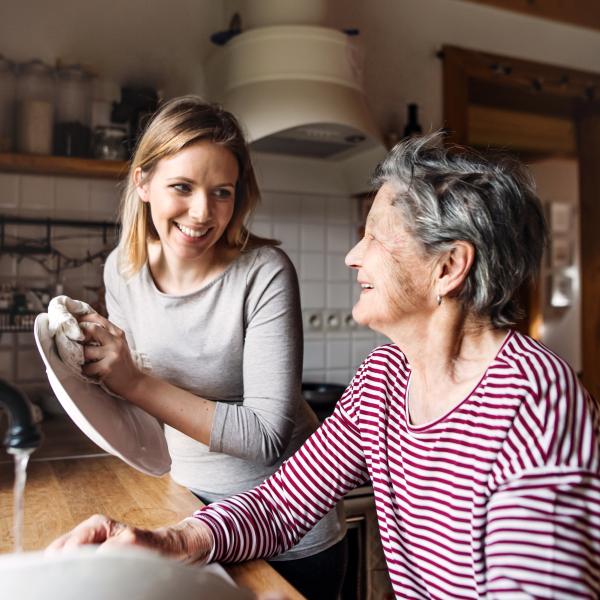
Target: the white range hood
pixel 297 91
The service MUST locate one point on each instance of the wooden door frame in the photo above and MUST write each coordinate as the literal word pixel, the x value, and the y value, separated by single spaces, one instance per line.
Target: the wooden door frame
pixel 543 88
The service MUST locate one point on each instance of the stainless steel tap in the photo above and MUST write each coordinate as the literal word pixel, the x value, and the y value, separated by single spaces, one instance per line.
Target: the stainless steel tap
pixel 22 431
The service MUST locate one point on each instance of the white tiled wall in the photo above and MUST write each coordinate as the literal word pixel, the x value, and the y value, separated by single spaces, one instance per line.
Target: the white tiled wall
pixel 59 198
pixel 315 230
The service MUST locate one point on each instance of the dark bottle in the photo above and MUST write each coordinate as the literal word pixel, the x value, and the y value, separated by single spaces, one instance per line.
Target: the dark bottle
pixel 412 124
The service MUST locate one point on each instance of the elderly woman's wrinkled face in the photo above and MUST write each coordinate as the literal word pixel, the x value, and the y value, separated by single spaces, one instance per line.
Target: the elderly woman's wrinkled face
pixel 394 274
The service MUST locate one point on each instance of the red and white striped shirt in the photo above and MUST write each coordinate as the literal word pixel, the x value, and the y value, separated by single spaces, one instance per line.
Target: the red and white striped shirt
pixel 498 498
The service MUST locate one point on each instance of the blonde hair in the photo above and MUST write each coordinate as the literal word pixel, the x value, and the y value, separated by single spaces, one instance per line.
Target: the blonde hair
pixel 179 123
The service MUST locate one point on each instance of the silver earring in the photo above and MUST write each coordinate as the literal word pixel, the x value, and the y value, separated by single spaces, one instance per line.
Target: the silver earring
pixel 439 299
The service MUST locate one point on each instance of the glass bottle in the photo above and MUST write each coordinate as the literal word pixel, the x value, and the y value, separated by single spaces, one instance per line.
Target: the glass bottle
pixel 8 88
pixel 35 107
pixel 413 126
pixel 110 143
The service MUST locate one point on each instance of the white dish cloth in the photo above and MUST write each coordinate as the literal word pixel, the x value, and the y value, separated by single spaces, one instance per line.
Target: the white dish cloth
pixel 68 335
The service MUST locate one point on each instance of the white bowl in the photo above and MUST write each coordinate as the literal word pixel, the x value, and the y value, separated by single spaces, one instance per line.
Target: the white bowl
pixel 128 574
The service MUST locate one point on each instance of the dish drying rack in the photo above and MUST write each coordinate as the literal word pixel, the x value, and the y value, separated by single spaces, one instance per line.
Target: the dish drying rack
pixel 18 309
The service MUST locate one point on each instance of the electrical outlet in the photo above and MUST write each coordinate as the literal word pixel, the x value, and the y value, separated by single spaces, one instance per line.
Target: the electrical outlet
pixel 348 321
pixel 332 320
pixel 313 320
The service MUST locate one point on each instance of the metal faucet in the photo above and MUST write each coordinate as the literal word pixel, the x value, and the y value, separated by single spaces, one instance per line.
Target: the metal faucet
pixel 22 431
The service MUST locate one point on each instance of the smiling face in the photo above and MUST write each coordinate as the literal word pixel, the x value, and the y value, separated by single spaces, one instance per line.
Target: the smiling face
pixel 394 275
pixel 192 198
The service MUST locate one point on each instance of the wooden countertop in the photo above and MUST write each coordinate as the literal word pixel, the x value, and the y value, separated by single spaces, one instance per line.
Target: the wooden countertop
pixel 62 492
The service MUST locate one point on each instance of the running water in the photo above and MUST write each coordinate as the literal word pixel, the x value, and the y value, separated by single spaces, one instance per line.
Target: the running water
pixel 21 460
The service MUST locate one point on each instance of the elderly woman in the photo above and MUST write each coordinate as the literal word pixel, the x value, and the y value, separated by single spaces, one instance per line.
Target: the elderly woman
pixel 482 446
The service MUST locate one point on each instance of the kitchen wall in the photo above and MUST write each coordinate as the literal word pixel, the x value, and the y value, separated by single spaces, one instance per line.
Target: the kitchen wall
pixel 167 45
pixel 317 225
pixel 557 181
pixel 54 197
pixel 402 37
pixel 302 206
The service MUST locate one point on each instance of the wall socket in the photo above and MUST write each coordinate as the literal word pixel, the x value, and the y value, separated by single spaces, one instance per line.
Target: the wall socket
pixel 328 320
pixel 312 319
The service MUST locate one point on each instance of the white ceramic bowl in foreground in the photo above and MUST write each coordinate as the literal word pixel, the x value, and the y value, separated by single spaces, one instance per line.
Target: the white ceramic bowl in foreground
pixel 128 574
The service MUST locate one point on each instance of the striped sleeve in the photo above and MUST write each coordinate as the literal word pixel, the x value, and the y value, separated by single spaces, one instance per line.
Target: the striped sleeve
pixel 543 536
pixel 543 521
pixel 273 517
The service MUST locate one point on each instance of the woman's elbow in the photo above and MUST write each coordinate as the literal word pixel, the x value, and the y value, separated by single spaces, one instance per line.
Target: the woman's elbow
pixel 271 452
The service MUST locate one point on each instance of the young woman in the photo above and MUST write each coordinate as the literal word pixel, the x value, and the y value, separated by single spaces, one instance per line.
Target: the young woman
pixel 216 311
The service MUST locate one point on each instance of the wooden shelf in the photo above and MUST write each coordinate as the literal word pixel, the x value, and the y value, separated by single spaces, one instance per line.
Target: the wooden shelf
pixel 62 165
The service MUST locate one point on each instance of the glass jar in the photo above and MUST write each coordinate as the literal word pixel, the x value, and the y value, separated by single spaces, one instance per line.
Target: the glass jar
pixel 110 143
pixel 8 88
pixel 105 92
pixel 35 107
pixel 72 133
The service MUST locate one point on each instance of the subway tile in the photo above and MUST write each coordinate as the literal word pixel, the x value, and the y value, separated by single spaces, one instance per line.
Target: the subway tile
pixel 73 281
pixel 288 234
pixel 262 228
pixel 295 258
pixel 314 355
pixel 363 333
pixel 72 197
pixel 9 191
pixel 7 368
pixel 338 334
pixel 30 366
pixel 313 209
pixel 338 295
pixel 338 354
pixel 30 269
pixel 37 194
pixel 313 375
pixel 381 339
pixel 312 266
pixel 338 238
pixel 25 339
pixel 287 208
pixel 265 206
pixel 8 266
pixel 8 340
pixel 360 351
pixel 104 200
pixel 71 242
pixel 312 237
pixel 339 376
pixel 339 210
pixel 312 294
pixel 337 269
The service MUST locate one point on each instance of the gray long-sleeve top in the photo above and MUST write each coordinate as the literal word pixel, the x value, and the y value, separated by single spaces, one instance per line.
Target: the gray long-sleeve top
pixel 237 341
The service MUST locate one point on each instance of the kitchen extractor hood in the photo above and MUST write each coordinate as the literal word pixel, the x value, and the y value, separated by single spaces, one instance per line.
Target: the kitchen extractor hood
pixel 297 90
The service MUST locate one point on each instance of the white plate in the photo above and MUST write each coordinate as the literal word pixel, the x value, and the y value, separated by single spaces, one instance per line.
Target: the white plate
pixel 117 426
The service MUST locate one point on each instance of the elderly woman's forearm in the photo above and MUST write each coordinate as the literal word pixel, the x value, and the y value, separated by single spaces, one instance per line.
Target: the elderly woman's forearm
pixel 273 517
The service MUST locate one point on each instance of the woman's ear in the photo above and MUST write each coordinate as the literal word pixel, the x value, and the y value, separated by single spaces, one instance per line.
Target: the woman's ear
pixel 454 267
pixel 140 185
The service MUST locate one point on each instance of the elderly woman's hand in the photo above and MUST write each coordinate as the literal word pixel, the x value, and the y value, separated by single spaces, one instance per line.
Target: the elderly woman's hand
pixel 189 540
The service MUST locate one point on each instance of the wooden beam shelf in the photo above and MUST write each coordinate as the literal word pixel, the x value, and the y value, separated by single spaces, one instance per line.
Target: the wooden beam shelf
pixel 63 165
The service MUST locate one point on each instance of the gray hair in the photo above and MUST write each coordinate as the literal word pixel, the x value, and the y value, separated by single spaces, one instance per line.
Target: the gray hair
pixel 452 194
